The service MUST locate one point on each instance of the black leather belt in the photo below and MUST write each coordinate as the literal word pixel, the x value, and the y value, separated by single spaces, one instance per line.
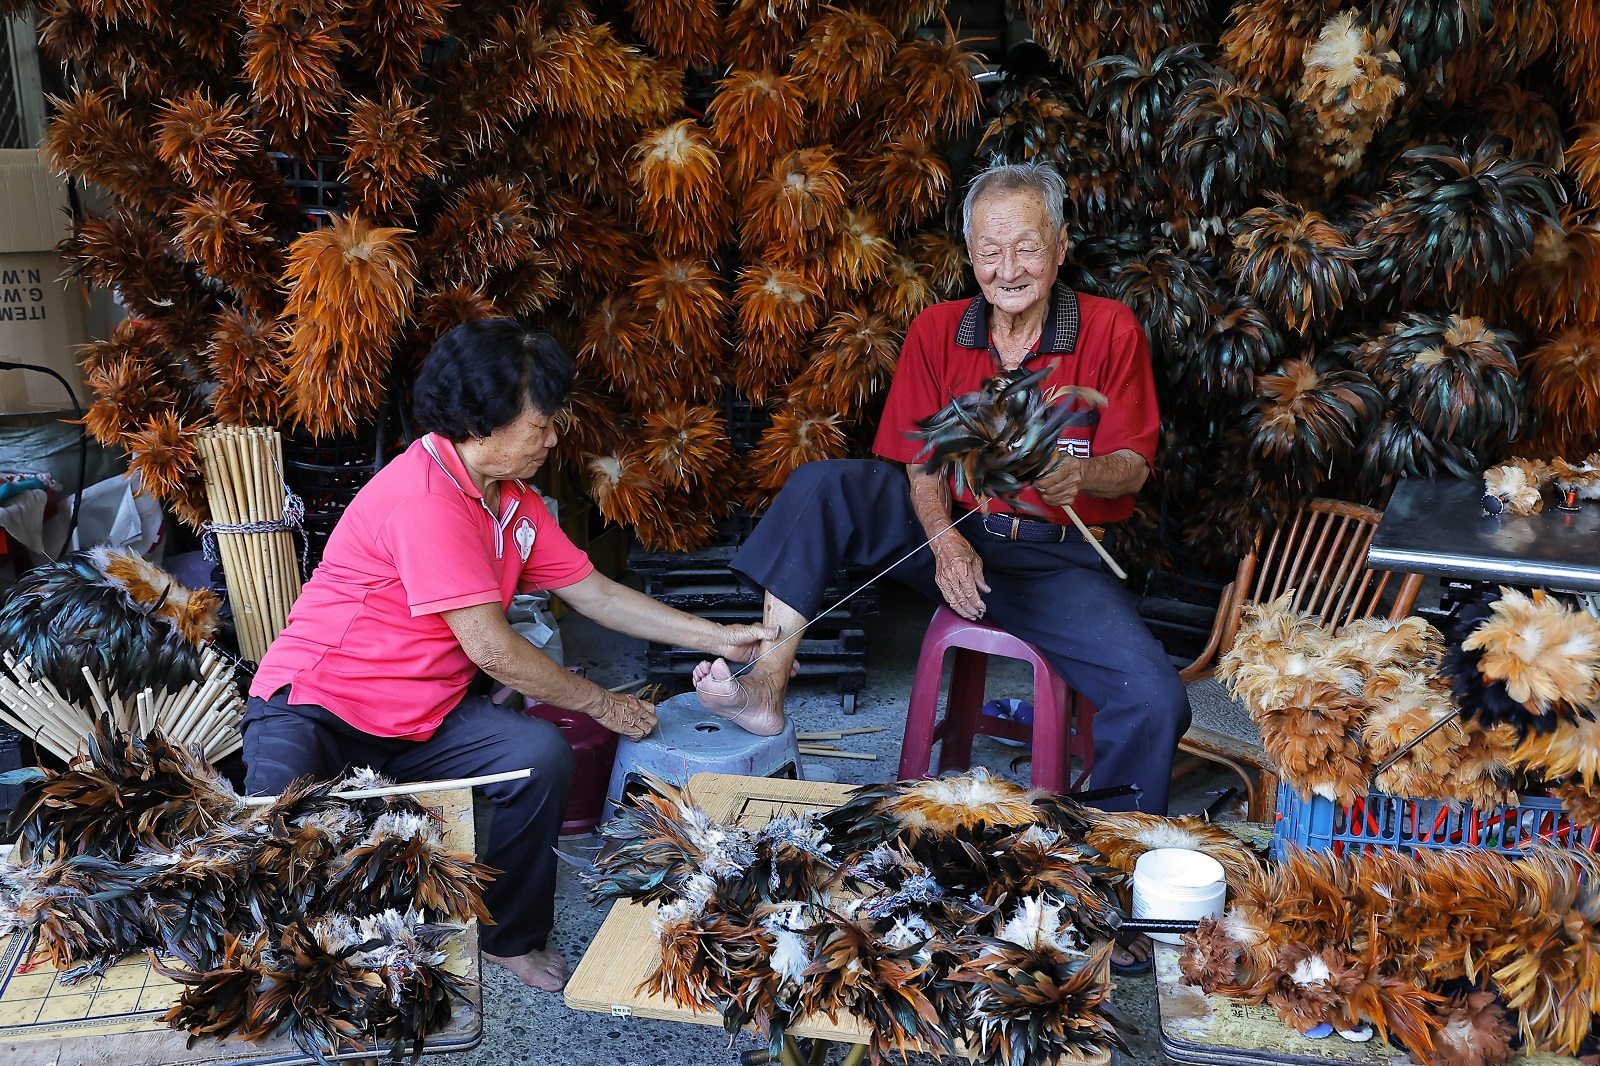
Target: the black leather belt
pixel 1011 527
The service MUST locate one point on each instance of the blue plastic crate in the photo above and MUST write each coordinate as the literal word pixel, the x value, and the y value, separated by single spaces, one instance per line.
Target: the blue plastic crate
pixel 1380 821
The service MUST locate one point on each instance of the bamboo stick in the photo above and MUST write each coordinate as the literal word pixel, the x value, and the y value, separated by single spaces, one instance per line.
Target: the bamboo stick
pixel 408 788
pixel 827 753
pixel 858 730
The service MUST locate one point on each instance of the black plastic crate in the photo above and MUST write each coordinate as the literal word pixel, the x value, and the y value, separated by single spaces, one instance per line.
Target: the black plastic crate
pixel 14 755
pixel 746 420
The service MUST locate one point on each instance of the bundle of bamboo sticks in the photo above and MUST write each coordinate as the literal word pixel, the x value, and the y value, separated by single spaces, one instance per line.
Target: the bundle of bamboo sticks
pixel 244 485
pixel 203 714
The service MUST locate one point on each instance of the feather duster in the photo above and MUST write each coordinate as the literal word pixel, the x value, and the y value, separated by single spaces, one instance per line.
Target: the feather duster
pixel 389 37
pixel 664 849
pixel 685 305
pixel 1307 416
pixel 903 292
pixel 93 139
pixel 1223 143
pixel 908 811
pixel 216 1001
pixel 163 454
pixel 841 59
pixel 756 118
pixel 1034 998
pixel 245 359
pixel 685 522
pixel 1210 959
pixel 1238 340
pixel 859 972
pixel 403 862
pixel 1457 377
pixel 1136 100
pixel 995 442
pixel 938 98
pixel 1404 705
pixel 1518 485
pixel 762 34
pixel 1035 125
pixel 596 251
pixel 905 183
pixel 1526 120
pixel 590 424
pixel 1582 161
pixel 904 16
pixel 226 231
pixel 1582 480
pixel 1547 654
pixel 1262 47
pixel 797 436
pixel 291 54
pixel 85 913
pixel 699 949
pixel 388 154
pixel 313 991
pixel 610 339
pixel 123 251
pixel 1559 283
pixel 1473 1030
pixel 654 91
pixel 941 256
pixel 437 313
pixel 1350 89
pixel 485 226
pixel 1427 31
pixel 686 446
pixel 682 203
pixel 623 489
pixel 350 288
pixel 796 208
pixel 420 995
pixel 1121 837
pixel 778 311
pixel 1569 754
pixel 1068 30
pixel 859 252
pixel 1549 978
pixel 206 143
pixel 1457 218
pixel 1297 264
pixel 852 361
pixel 684 33
pixel 1564 392
pixel 134 376
pixel 1170 295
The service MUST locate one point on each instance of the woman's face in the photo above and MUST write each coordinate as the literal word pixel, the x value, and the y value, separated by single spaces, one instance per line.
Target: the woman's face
pixel 1014 250
pixel 515 450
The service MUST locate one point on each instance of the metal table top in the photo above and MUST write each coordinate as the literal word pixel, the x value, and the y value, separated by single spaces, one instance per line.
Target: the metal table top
pixel 1438 527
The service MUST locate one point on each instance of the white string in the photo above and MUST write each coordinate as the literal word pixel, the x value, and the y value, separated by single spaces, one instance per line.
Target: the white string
pixel 751 664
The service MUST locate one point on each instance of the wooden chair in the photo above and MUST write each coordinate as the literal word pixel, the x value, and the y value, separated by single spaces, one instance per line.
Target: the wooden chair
pixel 1320 553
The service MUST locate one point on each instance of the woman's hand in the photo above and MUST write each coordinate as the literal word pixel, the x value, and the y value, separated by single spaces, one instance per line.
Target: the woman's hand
pixel 627 715
pixel 958 571
pixel 740 644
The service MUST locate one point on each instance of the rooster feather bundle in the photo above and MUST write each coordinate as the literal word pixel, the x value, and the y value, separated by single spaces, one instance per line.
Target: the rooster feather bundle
pixel 842 58
pixel 859 252
pixel 1224 142
pixel 681 199
pixel 350 289
pixel 610 339
pixel 1350 89
pixel 1457 218
pixel 1306 416
pixel 1299 266
pixel 484 226
pixel 937 97
pixel 762 34
pixel 622 487
pixel 392 34
pixel 1238 341
pixel 1171 295
pixel 1559 283
pixel 686 307
pixel 227 232
pixel 684 33
pixel 1122 836
pixel 125 621
pixel 1458 379
pixel 1527 121
pixel 166 459
pixel 205 143
pixel 1262 46
pixel 998 440
pixel 666 849
pixel 1036 124
pixel 1427 31
pixel 686 446
pixel 756 117
pixel 1136 99
pixel 403 862
pixel 798 435
pixel 778 310
pixel 135 377
pixel 124 251
pixel 796 208
pixel 1531 662
pixel 852 361
pixel 1564 392
pixel 420 994
pixel 389 153
pixel 903 292
pixel 942 257
pixel 1582 161
pixel 904 183
pixel 95 140
pixel 292 49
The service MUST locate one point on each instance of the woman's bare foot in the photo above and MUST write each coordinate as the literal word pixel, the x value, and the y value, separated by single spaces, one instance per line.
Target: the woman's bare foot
pixel 545 970
pixel 750 702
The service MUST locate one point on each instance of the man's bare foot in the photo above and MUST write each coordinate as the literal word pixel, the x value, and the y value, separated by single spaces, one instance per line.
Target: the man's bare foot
pixel 749 702
pixel 545 970
pixel 1132 953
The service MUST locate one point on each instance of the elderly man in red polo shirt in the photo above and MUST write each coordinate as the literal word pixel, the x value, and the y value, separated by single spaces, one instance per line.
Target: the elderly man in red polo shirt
pixel 1029 573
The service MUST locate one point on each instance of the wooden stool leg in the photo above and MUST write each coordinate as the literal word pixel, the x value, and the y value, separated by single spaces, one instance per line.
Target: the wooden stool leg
pixel 968 672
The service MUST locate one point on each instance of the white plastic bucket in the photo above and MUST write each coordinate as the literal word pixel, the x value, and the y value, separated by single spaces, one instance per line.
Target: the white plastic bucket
pixel 1176 884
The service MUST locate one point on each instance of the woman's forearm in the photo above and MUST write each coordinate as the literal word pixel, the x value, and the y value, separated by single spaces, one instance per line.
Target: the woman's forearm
pixel 509 658
pixel 632 613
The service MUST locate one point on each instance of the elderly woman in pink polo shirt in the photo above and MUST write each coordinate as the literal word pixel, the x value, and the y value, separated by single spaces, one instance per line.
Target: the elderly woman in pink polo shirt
pixel 409 604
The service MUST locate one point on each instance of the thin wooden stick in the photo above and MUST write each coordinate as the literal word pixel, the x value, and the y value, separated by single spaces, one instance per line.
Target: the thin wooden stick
pixel 1095 544
pixel 859 730
pixel 408 788
pixel 825 753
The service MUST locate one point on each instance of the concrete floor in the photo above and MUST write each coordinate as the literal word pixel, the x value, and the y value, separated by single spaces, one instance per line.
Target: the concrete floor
pixel 525 1026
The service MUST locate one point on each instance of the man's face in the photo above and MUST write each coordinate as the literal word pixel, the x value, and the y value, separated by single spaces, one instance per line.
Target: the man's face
pixel 1015 252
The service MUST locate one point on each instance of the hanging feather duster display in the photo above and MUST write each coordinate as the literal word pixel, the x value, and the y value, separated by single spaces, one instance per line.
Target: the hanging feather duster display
pixel 859 252
pixel 1427 31
pixel 485 226
pixel 796 208
pixel 246 359
pixel 1136 99
pixel 1238 341
pixel 903 292
pixel 685 305
pixel 1564 390
pixel 905 183
pixel 1223 144
pixel 778 310
pixel 389 154
pixel 936 95
pixel 1582 161
pixel 1560 281
pixel 1171 296
pixel 1298 265
pixel 350 289
pixel 1350 89
pixel 686 446
pixel 840 60
pixel 1306 417
pixel 94 140
pixel 205 143
pixel 163 454
pixel 762 34
pixel 684 33
pixel 1527 121
pixel 797 436
pixel 852 361
pixel 623 489
pixel 681 198
pixel 291 52
pixel 228 234
pixel 1264 42
pixel 756 118
pixel 392 35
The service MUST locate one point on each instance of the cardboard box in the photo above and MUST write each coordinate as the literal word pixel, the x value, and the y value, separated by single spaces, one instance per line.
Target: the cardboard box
pixel 42 312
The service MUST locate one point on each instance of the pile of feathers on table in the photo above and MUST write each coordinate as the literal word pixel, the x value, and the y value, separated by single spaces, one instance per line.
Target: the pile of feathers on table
pixel 326 920
pixel 965 912
pixel 1512 697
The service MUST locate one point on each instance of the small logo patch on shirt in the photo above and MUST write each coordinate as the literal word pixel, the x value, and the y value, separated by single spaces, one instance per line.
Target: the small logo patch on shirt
pixel 524 537
pixel 1073 446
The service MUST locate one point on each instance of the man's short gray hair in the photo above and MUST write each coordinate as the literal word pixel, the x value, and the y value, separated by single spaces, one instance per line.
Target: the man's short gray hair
pixel 1037 177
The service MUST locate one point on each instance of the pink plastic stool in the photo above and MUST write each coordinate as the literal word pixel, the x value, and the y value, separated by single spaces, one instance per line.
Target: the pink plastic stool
pixel 1063 722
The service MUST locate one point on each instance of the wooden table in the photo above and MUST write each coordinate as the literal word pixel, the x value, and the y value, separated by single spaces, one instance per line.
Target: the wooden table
pixel 625 951
pixel 115 1019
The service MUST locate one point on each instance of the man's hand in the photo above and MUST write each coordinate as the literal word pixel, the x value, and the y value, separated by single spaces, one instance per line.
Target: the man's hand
pixel 740 644
pixel 628 715
pixel 1062 484
pixel 959 573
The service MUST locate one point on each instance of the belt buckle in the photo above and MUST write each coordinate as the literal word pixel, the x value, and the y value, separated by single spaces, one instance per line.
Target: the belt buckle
pixel 1016 526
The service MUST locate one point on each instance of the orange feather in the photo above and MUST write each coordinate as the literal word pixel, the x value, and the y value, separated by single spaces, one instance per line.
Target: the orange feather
pixel 778 309
pixel 388 154
pixel 852 362
pixel 623 489
pixel 1564 392
pixel 905 183
pixel 93 139
pixel 797 436
pixel 762 34
pixel 685 305
pixel 859 252
pixel 756 117
pixel 904 292
pixel 291 54
pixel 1583 161
pixel 685 33
pixel 246 360
pixel 163 453
pixel 796 208
pixel 226 232
pixel 681 199
pixel 685 446
pixel 1559 284
pixel 485 226
pixel 841 59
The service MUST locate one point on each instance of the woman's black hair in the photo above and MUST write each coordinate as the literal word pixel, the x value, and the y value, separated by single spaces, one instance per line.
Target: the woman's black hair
pixel 484 374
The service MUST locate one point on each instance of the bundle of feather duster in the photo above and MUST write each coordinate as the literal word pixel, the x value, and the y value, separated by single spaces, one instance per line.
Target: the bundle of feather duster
pixel 326 919
pixel 964 908
pixel 1511 945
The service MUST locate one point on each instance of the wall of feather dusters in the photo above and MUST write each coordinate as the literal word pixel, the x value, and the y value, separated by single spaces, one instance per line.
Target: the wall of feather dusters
pixel 1362 235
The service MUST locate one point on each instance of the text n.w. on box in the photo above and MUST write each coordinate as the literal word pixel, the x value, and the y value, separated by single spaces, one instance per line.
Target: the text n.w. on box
pixel 42 313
